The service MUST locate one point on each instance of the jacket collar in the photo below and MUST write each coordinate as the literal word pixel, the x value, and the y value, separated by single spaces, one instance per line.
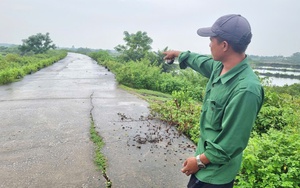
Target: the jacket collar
pixel 232 72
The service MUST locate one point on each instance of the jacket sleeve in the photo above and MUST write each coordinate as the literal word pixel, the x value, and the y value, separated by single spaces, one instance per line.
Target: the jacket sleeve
pixel 200 63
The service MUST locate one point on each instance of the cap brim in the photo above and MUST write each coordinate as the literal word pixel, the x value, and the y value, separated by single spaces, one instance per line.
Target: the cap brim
pixel 206 32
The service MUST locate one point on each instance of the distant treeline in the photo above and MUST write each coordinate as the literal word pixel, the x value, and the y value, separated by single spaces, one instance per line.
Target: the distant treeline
pixel 274 68
pixel 279 75
pixel 276 64
pixel 293 59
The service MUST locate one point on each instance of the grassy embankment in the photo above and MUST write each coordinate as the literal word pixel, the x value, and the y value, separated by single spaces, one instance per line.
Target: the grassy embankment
pixel 14 67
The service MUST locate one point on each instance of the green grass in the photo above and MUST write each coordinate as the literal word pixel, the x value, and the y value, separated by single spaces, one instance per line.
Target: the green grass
pixel 148 95
pixel 100 159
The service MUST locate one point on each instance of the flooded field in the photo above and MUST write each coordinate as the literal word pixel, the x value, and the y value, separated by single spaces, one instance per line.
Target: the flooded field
pixel 279 76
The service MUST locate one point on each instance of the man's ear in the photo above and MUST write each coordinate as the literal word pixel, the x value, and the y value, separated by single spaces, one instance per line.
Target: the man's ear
pixel 225 46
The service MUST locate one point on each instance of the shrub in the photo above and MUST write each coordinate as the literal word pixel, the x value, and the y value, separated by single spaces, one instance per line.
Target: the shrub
pixel 167 83
pixel 6 76
pixel 139 75
pixel 14 67
pixel 272 160
pixel 13 58
pixel 3 63
pixel 277 112
pixel 182 112
pixel 270 117
pixel 100 56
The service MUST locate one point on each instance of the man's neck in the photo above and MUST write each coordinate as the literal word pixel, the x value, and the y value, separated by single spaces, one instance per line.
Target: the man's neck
pixel 231 61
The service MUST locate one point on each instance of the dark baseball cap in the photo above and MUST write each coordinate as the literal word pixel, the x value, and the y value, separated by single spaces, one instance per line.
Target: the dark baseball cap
pixel 233 28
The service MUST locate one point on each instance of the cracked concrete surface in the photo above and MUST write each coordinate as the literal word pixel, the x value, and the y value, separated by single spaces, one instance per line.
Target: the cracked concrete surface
pixel 44 138
pixel 45 122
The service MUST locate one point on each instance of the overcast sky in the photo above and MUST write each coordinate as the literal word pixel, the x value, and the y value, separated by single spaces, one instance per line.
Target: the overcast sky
pixel 100 24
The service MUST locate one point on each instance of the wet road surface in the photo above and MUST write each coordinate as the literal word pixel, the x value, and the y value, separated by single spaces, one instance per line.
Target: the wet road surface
pixel 45 122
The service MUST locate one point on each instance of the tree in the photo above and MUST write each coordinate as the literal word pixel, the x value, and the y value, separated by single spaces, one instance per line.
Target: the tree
pixel 295 58
pixel 39 43
pixel 136 48
pixel 161 62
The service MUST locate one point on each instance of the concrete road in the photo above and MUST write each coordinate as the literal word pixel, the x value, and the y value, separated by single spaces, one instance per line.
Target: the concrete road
pixel 45 122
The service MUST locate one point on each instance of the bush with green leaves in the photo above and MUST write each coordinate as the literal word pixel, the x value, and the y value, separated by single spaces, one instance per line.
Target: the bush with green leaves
pixel 101 56
pixel 14 66
pixel 167 83
pixel 278 111
pixel 270 117
pixel 293 90
pixel 139 75
pixel 3 63
pixel 181 111
pixel 188 81
pixel 272 160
